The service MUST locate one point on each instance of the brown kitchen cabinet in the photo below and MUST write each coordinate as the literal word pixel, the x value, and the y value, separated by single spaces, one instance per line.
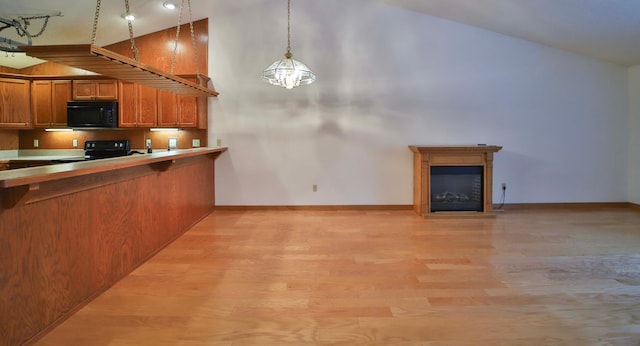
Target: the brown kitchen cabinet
pixel 49 102
pixel 15 98
pixel 175 110
pixel 138 105
pixel 103 89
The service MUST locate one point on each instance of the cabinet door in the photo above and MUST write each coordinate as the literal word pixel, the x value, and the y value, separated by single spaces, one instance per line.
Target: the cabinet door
pixel 15 98
pixel 137 104
pixel 49 102
pixel 83 90
pixel 41 103
pixel 60 94
pixel 193 111
pixel 147 106
pixel 188 111
pixel 106 90
pixel 127 104
pixel 180 111
pixel 167 109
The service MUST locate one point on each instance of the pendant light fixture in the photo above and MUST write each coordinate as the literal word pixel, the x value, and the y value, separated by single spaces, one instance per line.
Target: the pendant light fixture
pixel 288 73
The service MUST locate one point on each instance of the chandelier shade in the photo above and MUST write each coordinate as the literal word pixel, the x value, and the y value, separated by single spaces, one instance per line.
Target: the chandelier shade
pixel 288 73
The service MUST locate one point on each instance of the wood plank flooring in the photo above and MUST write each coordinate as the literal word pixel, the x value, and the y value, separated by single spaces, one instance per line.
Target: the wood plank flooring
pixel 543 277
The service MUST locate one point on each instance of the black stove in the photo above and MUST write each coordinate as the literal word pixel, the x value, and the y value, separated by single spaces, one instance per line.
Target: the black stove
pixel 103 149
pixel 106 148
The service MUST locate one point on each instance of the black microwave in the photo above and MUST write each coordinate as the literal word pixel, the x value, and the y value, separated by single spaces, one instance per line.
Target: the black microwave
pixel 92 114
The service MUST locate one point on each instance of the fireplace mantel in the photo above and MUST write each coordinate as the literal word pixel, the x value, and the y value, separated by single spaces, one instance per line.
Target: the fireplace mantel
pixel 425 157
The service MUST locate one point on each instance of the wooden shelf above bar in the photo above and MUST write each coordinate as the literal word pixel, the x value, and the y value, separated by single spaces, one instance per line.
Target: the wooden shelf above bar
pixel 108 63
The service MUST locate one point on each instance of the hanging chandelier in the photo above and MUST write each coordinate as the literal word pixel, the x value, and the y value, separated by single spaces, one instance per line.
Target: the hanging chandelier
pixel 288 73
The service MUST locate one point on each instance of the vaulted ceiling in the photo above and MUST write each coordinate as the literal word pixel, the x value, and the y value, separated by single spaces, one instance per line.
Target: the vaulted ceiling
pixel 604 29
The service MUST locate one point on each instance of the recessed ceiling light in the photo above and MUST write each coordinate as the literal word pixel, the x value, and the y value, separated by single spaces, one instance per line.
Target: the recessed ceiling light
pixel 169 5
pixel 129 16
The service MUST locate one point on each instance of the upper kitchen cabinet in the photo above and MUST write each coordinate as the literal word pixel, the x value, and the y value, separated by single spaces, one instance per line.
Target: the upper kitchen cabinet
pixel 138 105
pixel 168 110
pixel 103 89
pixel 49 102
pixel 15 97
pixel 183 111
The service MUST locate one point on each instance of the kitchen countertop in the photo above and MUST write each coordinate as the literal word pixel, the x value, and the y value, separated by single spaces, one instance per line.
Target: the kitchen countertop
pixel 40 154
pixel 35 175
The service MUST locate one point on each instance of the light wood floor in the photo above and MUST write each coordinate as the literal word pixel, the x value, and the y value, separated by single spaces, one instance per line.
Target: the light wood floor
pixel 567 277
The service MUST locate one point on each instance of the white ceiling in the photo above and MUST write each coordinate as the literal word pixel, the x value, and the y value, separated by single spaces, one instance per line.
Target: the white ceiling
pixel 604 29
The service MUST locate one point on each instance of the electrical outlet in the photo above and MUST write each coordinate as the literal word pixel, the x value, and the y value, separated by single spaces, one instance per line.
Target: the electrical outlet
pixel 195 142
pixel 74 142
pixel 147 142
pixel 219 142
pixel 36 143
pixel 315 188
pixel 173 142
pixel 504 186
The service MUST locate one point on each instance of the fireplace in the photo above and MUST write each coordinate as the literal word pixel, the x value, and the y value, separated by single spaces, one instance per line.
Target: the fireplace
pixel 456 188
pixel 453 181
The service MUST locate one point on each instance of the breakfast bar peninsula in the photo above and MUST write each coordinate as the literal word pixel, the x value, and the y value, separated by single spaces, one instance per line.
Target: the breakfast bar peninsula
pixel 70 231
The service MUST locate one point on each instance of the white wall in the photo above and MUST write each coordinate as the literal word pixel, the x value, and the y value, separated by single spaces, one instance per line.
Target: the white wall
pixel 389 77
pixel 634 141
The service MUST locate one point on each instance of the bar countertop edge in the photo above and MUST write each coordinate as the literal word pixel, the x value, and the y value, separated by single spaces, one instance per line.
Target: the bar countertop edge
pixel 36 175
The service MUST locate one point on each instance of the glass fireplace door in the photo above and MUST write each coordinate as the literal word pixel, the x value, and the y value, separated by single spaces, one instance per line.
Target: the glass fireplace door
pixel 457 188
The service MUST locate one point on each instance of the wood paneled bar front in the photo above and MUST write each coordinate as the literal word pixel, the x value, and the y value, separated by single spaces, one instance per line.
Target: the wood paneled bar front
pixel 425 158
pixel 70 231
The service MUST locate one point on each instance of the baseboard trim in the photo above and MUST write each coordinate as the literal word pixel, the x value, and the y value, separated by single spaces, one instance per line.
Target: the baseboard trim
pixel 316 207
pixel 578 205
pixel 511 206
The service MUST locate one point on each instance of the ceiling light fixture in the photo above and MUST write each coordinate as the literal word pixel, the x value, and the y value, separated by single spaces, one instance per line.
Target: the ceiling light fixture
pixel 128 16
pixel 288 73
pixel 169 5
